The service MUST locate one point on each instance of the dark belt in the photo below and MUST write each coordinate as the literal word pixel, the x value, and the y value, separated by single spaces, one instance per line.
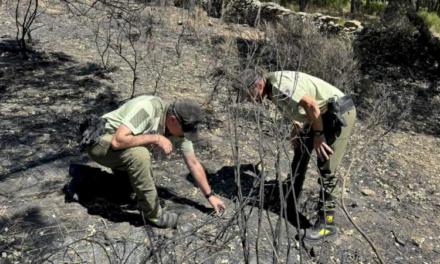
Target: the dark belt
pixel 345 104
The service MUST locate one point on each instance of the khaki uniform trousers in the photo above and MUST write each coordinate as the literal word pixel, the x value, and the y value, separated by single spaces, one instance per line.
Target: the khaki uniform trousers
pixel 136 162
pixel 327 169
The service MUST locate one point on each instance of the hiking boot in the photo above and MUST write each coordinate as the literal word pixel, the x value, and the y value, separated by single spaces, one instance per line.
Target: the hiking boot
pixel 322 229
pixel 166 220
pixel 318 233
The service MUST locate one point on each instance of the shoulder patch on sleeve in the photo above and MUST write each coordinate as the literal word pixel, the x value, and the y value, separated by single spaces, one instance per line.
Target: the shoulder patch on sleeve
pixel 139 118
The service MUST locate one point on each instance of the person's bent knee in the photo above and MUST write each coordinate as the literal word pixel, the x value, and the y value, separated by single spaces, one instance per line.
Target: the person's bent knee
pixel 136 155
pixel 97 153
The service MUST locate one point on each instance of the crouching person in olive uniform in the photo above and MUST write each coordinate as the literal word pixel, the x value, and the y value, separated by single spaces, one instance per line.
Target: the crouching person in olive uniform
pixel 327 117
pixel 142 123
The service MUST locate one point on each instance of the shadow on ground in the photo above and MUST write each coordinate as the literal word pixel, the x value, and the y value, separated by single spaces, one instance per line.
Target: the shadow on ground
pixel 32 225
pixel 110 195
pixel 43 99
pixel 223 182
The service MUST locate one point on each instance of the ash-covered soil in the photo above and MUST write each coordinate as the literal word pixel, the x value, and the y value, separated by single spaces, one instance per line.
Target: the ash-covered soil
pixel 392 187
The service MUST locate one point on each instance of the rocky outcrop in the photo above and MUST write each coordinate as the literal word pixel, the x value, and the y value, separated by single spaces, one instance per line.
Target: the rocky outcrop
pixel 254 12
pixel 243 12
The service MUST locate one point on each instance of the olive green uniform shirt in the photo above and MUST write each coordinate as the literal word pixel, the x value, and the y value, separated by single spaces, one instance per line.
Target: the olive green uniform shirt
pixel 144 115
pixel 288 87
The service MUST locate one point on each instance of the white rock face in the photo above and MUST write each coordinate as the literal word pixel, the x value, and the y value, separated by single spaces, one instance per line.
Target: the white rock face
pixel 253 11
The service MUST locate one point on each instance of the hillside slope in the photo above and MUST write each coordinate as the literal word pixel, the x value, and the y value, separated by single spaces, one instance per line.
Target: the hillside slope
pixel 393 191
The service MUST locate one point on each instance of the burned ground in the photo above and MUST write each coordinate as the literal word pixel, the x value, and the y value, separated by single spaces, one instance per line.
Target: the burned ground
pixel 392 187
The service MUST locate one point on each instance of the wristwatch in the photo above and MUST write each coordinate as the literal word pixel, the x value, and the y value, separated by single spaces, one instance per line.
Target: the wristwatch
pixel 318 133
pixel 211 193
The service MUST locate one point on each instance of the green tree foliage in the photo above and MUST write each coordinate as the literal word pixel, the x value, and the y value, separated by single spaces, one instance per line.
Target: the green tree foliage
pixel 432 20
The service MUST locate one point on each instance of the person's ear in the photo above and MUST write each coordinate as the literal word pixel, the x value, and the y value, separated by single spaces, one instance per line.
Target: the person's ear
pixel 174 119
pixel 260 86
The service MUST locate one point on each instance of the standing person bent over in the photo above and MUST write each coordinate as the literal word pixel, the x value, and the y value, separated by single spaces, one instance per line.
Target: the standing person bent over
pixel 327 116
pixel 146 121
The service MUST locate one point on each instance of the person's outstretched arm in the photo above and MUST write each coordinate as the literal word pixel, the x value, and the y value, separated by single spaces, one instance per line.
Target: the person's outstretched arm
pixel 199 175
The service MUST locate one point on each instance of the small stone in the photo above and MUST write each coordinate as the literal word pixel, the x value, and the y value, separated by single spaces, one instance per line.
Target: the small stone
pixel 417 240
pixel 349 232
pixel 399 241
pixel 4 255
pixel 147 242
pixel 427 247
pixel 368 192
pixel 75 197
pixel 388 194
pixel 185 227
pixel 168 234
pixel 179 22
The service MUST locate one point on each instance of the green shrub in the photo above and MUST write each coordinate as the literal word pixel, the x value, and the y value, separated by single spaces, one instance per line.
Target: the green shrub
pixel 299 45
pixel 432 20
pixel 335 4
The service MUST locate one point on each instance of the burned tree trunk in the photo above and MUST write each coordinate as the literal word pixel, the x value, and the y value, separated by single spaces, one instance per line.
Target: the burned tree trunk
pixel 303 5
pixel 354 6
pixel 25 14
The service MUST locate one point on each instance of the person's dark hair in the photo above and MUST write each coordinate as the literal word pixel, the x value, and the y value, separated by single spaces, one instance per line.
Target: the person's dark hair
pixel 246 80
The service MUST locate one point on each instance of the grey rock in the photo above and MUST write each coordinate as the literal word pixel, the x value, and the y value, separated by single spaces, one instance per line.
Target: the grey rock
pixel 352 24
pixel 368 192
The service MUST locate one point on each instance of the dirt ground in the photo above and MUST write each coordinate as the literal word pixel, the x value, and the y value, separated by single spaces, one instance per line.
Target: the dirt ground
pixel 392 187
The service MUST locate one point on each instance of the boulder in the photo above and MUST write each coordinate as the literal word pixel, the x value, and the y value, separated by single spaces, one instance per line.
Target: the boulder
pixel 272 12
pixel 253 11
pixel 243 11
pixel 353 24
pixel 328 19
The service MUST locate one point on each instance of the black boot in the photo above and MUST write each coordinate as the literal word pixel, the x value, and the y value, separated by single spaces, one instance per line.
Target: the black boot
pixel 323 228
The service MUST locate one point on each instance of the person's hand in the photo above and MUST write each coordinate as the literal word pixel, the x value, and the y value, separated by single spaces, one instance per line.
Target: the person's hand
pixel 295 133
pixel 165 144
pixel 217 204
pixel 322 149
